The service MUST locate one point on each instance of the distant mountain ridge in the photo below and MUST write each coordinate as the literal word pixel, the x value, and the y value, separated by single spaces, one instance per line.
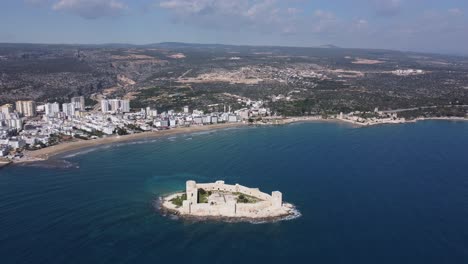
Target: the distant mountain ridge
pixel 329 46
pixel 192 45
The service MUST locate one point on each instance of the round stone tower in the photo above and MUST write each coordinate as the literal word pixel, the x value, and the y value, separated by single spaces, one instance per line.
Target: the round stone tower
pixel 192 192
pixel 276 199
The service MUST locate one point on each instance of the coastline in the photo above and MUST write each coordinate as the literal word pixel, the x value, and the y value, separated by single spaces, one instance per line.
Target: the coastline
pixel 4 163
pixel 47 153
pixel 291 120
pixel 53 151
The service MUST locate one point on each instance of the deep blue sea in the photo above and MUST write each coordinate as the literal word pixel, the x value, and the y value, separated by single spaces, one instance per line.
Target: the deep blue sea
pixel 384 194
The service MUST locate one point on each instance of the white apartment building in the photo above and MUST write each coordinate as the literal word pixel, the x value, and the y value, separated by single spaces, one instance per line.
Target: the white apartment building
pixel 26 108
pixel 78 102
pixel 52 109
pixel 124 106
pixel 105 106
pixel 68 109
pixel 6 109
pixel 115 106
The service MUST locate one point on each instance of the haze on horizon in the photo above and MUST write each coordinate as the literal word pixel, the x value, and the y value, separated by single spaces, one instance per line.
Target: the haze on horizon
pixel 416 25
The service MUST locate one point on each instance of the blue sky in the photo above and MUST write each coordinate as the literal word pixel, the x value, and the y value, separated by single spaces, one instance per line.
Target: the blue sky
pixel 417 25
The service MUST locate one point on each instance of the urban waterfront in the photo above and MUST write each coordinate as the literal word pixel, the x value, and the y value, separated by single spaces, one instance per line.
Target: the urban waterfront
pixel 383 194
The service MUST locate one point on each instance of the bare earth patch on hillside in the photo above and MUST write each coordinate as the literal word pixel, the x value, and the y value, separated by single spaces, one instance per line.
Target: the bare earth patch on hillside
pixel 366 61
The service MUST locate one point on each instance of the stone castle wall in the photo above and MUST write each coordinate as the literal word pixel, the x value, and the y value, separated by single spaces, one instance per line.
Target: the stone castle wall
pixel 244 208
pixel 221 186
pixel 191 206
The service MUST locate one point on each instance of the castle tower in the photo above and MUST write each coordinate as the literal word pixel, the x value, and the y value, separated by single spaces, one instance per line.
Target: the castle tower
pixel 192 191
pixel 219 185
pixel 186 207
pixel 277 199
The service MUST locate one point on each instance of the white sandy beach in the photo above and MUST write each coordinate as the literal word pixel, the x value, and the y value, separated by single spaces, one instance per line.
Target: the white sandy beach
pixel 46 153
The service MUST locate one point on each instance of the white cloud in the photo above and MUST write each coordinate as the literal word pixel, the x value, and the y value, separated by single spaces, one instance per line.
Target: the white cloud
pixel 324 22
pixel 293 11
pixel 387 7
pixel 324 14
pixel 90 9
pixel 292 22
pixel 455 11
pixel 262 15
pixel 430 30
pixel 360 24
pixel 208 7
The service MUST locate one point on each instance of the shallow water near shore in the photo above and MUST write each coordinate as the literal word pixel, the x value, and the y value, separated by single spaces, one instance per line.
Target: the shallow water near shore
pixel 384 194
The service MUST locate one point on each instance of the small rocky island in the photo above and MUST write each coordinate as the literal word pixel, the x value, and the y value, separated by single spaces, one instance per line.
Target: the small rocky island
pixel 223 201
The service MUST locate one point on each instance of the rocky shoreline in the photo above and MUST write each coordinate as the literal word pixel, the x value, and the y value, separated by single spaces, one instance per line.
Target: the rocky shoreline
pixel 166 207
pixel 177 215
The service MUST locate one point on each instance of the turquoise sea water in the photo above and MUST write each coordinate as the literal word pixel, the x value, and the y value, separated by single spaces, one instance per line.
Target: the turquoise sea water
pixel 385 194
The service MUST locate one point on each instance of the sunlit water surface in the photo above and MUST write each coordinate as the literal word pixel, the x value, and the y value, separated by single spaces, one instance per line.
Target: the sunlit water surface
pixel 385 194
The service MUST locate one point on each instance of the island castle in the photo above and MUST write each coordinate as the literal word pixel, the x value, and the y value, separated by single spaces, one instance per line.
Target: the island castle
pixel 226 200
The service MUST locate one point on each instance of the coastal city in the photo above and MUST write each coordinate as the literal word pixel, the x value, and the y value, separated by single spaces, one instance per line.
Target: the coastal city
pixel 245 131
pixel 27 126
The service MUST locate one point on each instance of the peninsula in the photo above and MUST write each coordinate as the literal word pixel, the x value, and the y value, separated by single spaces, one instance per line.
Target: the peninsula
pixel 224 201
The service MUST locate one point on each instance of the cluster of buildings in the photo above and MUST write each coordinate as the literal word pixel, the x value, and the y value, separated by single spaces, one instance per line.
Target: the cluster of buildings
pixel 76 105
pixel 11 121
pixel 371 118
pixel 37 126
pixel 26 108
pixel 9 118
pixel 115 106
pixel 408 72
pixel 15 134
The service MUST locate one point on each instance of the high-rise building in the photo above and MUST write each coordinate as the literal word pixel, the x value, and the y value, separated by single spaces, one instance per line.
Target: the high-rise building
pixel 19 107
pixel 105 106
pixel 125 106
pixel 6 110
pixel 151 112
pixel 26 108
pixel 52 109
pixel 186 109
pixel 115 106
pixel 78 102
pixel 15 123
pixel 68 109
pixel 148 111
